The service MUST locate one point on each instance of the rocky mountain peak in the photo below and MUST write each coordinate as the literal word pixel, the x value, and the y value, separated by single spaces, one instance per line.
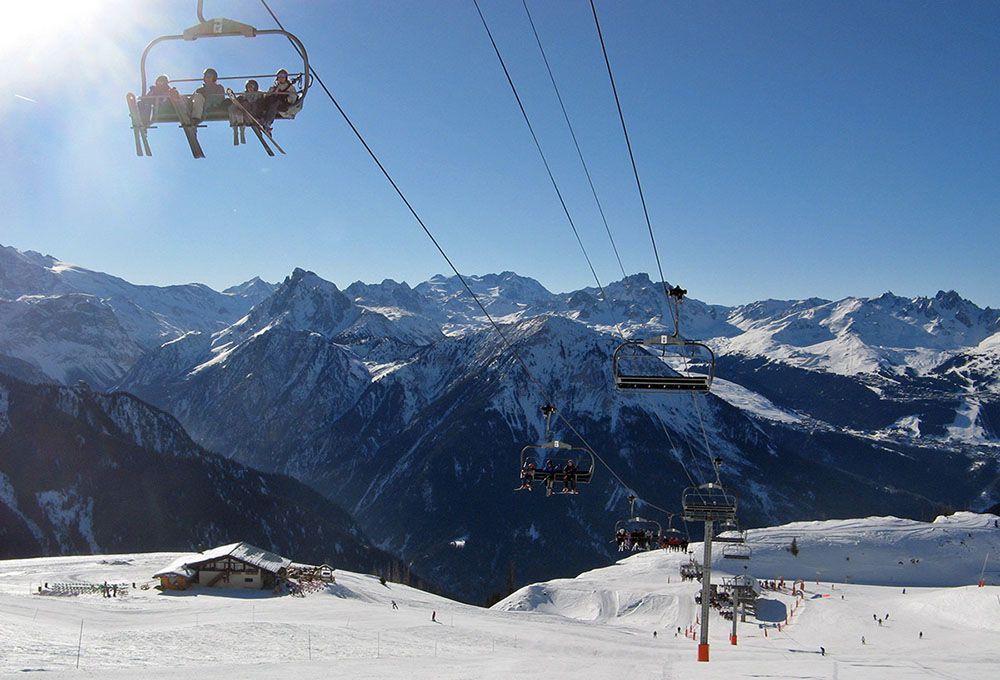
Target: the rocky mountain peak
pixel 302 302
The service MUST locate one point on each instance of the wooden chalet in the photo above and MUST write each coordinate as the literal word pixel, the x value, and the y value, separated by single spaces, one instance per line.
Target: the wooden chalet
pixel 238 565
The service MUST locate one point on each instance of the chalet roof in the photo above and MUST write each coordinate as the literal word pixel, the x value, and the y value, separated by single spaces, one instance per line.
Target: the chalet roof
pixel 187 565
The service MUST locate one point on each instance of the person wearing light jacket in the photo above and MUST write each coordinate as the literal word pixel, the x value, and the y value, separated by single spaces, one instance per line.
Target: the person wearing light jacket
pixel 280 97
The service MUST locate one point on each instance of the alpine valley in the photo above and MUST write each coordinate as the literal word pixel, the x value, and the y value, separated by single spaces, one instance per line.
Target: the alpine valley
pixel 404 407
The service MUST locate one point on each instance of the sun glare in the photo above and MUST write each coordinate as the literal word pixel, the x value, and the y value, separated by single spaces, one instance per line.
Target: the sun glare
pixel 49 43
pixel 26 22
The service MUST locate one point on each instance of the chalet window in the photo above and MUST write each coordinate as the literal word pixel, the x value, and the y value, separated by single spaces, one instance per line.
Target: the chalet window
pixel 248 579
pixel 250 570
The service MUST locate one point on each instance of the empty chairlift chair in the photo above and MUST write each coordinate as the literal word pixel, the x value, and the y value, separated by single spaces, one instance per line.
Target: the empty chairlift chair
pixel 729 532
pixel 736 551
pixel 708 503
pixel 665 363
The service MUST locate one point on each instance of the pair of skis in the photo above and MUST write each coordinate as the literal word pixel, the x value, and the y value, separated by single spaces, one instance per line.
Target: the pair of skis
pixel 140 128
pixel 255 125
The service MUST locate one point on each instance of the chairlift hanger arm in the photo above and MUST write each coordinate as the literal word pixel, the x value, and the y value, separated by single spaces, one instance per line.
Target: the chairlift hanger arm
pixel 192 34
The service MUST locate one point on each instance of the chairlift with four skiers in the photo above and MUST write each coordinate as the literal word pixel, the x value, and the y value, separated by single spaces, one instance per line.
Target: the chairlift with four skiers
pixel 212 102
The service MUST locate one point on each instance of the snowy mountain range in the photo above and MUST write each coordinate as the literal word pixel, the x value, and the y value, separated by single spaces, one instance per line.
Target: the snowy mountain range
pixel 403 404
pixel 76 324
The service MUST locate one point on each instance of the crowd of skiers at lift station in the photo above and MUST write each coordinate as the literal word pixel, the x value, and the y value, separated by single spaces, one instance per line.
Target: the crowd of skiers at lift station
pixel 530 471
pixel 254 105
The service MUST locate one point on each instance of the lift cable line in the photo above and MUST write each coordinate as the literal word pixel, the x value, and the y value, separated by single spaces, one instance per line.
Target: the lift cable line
pixel 541 153
pixel 569 125
pixel 597 200
pixel 555 185
pixel 506 341
pixel 645 211
pixel 576 143
pixel 628 144
pixel 633 355
pixel 708 502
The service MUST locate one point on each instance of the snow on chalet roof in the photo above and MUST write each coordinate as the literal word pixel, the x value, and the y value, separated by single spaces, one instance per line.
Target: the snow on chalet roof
pixel 251 554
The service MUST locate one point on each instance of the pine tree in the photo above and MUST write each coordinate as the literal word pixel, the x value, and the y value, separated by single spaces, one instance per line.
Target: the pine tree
pixel 794 547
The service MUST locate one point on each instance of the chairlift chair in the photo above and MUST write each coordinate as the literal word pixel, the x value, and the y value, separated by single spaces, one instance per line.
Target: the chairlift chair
pixel 736 551
pixel 674 538
pixel 535 459
pixel 708 503
pixel 665 363
pixel 148 110
pixel 729 532
pixel 691 570
pixel 641 533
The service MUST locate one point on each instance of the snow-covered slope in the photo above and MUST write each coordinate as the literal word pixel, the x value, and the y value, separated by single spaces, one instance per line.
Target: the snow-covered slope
pixel 598 625
pixel 950 551
pixel 878 551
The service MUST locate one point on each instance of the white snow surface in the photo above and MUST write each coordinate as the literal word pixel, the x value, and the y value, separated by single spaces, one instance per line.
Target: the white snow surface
pixel 751 402
pixel 598 625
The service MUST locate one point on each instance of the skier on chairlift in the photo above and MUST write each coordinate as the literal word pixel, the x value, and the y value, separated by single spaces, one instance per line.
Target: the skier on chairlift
pixel 211 95
pixel 527 474
pixel 569 477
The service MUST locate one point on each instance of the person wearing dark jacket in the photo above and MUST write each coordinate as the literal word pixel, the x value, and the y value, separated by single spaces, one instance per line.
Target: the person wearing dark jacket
pixel 569 477
pixel 252 100
pixel 160 92
pixel 210 95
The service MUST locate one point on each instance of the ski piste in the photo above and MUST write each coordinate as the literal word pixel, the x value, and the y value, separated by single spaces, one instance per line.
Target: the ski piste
pixel 138 127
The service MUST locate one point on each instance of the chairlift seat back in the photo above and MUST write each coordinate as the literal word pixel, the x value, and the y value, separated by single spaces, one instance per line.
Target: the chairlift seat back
pixel 663 364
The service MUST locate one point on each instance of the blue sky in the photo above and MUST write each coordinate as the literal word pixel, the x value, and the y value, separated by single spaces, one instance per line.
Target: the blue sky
pixel 787 149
